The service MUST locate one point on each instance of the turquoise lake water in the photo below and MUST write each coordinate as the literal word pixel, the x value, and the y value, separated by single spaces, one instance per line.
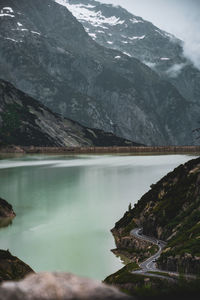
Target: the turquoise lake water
pixel 66 206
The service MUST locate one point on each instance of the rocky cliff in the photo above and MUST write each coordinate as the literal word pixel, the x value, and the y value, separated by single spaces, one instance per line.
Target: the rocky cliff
pixel 26 122
pixel 46 53
pixel 170 211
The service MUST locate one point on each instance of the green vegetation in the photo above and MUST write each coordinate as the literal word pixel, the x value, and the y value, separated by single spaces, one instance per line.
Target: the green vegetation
pixel 127 229
pixel 119 276
pixel 148 287
pixel 172 209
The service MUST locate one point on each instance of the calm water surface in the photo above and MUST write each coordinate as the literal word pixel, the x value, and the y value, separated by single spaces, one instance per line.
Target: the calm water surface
pixel 66 206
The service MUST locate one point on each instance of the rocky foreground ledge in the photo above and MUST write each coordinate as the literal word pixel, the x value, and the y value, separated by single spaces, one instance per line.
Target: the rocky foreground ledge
pixel 60 286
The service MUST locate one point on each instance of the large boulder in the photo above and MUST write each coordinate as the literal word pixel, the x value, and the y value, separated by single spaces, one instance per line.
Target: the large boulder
pixel 60 286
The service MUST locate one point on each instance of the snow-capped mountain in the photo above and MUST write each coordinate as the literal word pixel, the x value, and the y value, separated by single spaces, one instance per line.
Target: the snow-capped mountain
pixel 116 28
pixel 45 52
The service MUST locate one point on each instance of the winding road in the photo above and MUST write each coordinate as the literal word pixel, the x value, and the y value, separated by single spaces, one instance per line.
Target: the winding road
pixel 149 265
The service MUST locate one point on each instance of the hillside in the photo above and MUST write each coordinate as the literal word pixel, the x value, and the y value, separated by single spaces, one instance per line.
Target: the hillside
pixel 46 53
pixel 170 211
pixel 26 122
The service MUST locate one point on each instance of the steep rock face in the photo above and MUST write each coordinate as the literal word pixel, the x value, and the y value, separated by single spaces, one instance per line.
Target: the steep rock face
pixel 24 121
pixel 12 268
pixel 63 286
pixel 170 211
pixel 46 53
pixel 116 28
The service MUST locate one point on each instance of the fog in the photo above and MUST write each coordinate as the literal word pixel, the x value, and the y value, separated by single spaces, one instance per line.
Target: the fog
pixel 179 17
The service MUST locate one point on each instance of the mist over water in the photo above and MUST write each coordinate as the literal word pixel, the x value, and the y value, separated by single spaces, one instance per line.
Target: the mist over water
pixel 66 206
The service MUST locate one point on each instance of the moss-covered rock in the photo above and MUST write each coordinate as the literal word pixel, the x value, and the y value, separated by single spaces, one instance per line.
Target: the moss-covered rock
pixel 11 267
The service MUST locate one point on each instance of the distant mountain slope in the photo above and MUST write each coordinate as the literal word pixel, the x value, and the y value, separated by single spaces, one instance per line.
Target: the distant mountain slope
pixel 116 28
pixel 24 121
pixel 46 52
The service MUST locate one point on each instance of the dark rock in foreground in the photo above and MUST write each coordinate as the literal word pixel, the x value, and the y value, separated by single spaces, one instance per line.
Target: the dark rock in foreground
pixel 12 268
pixel 62 286
pixel 6 210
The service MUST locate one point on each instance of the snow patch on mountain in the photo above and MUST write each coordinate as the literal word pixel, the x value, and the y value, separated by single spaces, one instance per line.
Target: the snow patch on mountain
pixel 93 35
pixel 135 21
pixel 8 9
pixel 164 58
pixel 86 13
pixel 6 15
pixel 126 53
pixel 7 38
pixel 35 32
pixel 7 12
pixel 137 37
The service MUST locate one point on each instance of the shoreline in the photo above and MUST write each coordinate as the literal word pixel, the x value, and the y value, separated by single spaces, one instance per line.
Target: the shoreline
pixel 96 150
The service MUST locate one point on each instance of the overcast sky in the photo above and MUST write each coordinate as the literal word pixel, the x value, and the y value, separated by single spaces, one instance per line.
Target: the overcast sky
pixel 179 17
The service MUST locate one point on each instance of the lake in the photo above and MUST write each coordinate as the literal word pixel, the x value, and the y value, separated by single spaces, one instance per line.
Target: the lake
pixel 66 206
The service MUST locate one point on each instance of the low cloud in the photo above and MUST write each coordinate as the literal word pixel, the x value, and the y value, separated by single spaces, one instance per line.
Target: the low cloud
pixel 175 70
pixel 192 51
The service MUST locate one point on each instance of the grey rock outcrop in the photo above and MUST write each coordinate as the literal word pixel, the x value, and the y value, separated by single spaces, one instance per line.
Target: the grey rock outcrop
pixel 60 286
pixel 46 53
